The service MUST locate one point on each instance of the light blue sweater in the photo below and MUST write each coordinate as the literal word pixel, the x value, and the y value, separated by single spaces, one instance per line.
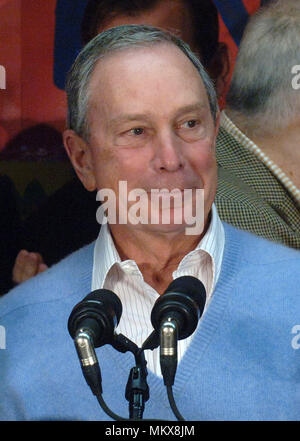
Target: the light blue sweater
pixel 241 364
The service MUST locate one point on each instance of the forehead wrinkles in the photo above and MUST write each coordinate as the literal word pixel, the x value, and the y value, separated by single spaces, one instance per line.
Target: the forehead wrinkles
pixel 110 71
pixel 108 67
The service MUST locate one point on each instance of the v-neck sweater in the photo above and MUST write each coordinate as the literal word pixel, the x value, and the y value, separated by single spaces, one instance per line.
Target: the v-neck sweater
pixel 242 364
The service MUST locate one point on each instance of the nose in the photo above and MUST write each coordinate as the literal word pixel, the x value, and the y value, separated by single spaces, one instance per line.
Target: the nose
pixel 168 154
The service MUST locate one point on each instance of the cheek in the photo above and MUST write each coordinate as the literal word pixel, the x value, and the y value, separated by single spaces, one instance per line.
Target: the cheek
pixel 114 165
pixel 205 167
pixel 211 178
pixel 204 163
pixel 208 161
pixel 105 166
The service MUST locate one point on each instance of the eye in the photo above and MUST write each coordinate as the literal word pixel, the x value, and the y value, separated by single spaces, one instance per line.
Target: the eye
pixel 191 130
pixel 190 124
pixel 137 131
pixel 133 137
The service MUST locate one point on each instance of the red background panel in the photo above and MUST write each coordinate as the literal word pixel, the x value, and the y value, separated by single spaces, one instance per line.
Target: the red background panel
pixel 251 5
pixel 26 51
pixel 41 99
pixel 10 59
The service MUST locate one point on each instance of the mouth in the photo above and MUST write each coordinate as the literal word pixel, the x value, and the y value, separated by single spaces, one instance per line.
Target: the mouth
pixel 170 190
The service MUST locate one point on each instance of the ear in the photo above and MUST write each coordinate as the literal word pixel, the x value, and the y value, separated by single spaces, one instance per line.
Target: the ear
pixel 219 69
pixel 80 155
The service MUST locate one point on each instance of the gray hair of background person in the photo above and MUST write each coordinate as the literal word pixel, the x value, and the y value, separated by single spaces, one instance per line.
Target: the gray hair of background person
pixel 261 98
pixel 114 40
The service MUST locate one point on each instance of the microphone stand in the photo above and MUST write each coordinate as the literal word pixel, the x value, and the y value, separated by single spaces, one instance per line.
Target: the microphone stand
pixel 137 390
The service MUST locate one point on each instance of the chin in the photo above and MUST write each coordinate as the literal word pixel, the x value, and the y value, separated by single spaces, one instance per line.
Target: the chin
pixel 164 229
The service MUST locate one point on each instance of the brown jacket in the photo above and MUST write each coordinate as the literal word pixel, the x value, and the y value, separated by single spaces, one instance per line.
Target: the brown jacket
pixel 250 197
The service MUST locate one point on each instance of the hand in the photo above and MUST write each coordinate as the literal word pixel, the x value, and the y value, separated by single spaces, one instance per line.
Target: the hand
pixel 27 265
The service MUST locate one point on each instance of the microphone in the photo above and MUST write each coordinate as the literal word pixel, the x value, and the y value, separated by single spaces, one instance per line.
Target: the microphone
pixel 175 316
pixel 91 324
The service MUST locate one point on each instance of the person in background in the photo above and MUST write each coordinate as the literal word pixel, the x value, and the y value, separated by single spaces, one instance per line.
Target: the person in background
pixel 195 22
pixel 258 144
pixel 10 224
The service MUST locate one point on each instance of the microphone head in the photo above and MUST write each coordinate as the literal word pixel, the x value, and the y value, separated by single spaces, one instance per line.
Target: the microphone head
pixel 99 313
pixel 184 299
pixel 192 287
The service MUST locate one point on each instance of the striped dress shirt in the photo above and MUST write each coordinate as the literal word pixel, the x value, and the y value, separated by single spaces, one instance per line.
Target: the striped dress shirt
pixel 126 280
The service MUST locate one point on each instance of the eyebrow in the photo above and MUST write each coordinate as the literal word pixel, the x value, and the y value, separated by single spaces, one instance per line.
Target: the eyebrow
pixel 123 118
pixel 198 107
pixel 128 117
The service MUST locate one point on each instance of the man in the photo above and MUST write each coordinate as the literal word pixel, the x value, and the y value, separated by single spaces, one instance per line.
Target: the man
pixel 252 193
pixel 143 111
pixel 258 144
pixel 197 24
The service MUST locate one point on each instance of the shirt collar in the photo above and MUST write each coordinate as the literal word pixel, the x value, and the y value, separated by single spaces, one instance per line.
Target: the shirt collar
pixel 231 128
pixel 212 244
pixel 106 255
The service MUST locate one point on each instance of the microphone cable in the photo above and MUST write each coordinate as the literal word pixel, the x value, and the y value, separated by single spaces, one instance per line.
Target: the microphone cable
pixel 151 343
pixel 175 316
pixel 173 404
pixel 108 411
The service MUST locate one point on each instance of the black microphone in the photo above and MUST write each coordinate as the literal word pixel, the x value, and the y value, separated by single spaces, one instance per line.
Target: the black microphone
pixel 91 324
pixel 175 316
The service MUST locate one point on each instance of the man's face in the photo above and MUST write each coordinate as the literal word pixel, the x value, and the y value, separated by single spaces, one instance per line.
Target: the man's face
pixel 169 15
pixel 150 124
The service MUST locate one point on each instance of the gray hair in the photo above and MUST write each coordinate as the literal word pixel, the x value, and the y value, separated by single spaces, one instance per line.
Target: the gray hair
pixel 261 98
pixel 113 40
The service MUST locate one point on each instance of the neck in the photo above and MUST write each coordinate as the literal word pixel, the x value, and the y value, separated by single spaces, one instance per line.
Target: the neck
pixel 283 149
pixel 282 146
pixel 157 254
